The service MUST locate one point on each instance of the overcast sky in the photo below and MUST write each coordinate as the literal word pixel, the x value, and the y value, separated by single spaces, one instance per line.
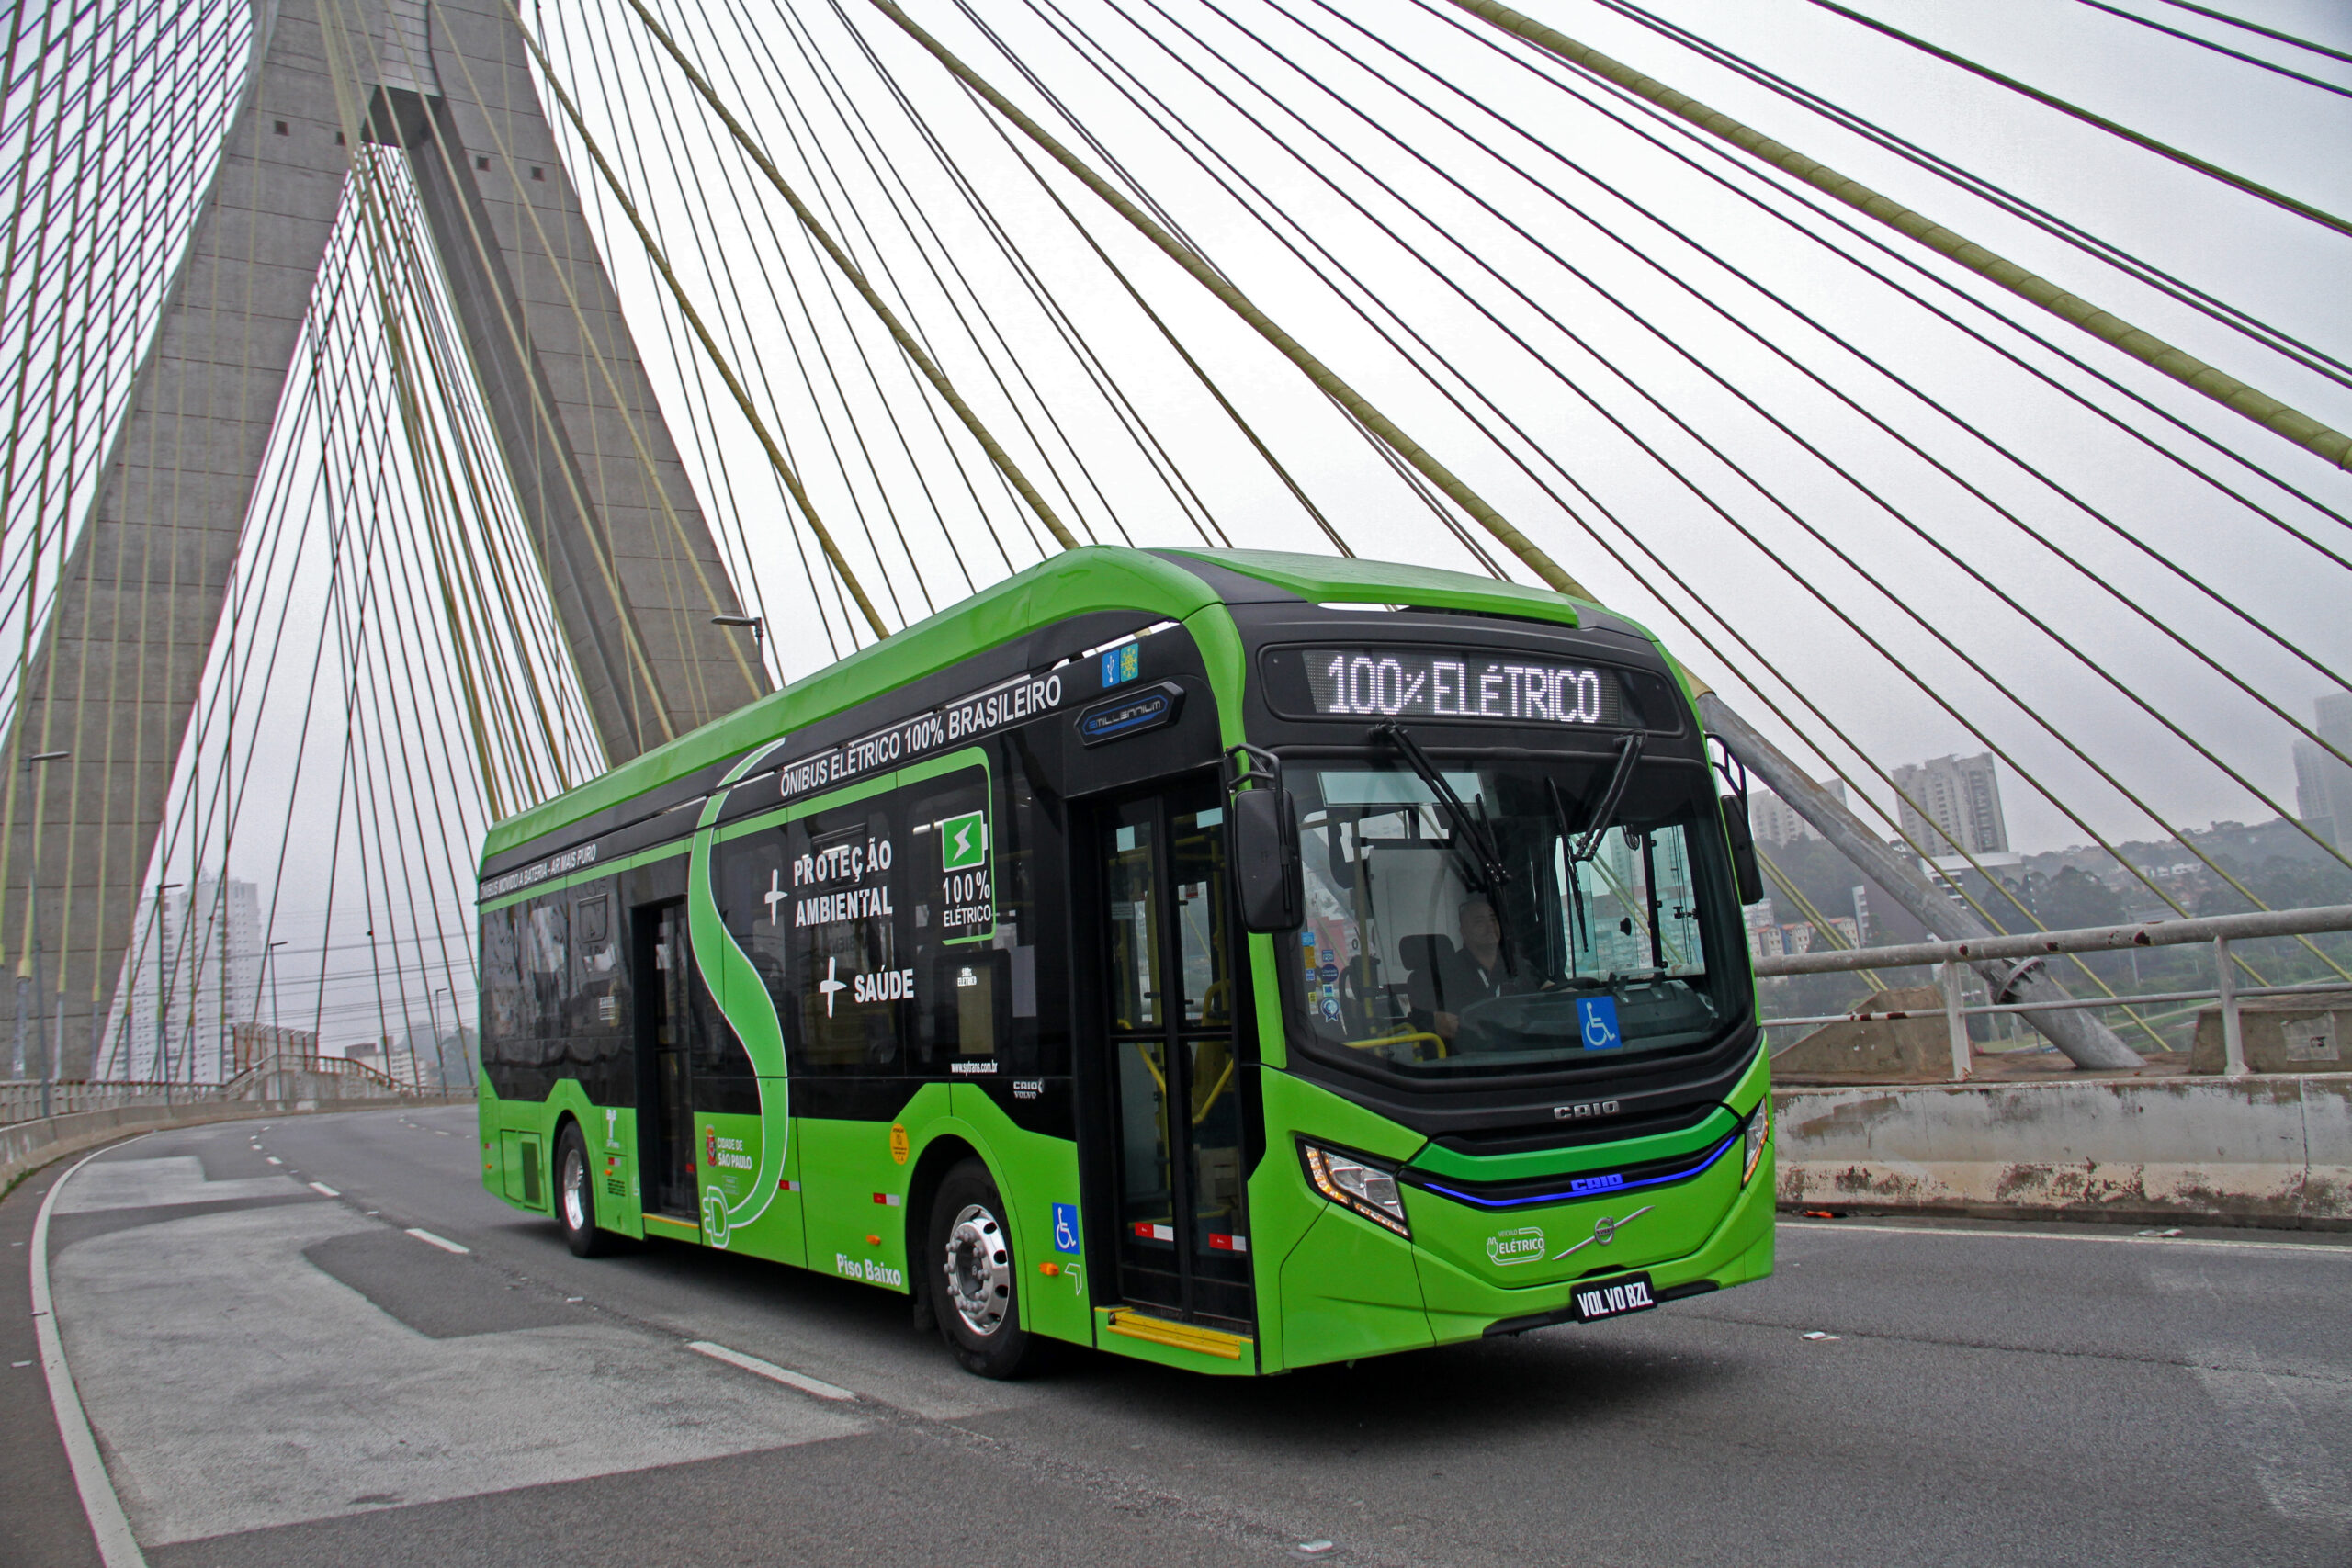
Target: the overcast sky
pixel 1637 460
pixel 2283 268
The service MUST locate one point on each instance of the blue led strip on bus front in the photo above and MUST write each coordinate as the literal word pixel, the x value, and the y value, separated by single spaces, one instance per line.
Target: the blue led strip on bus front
pixel 1587 1186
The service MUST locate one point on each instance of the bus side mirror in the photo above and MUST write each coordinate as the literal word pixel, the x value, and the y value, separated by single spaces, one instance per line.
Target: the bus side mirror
pixel 1268 882
pixel 1266 873
pixel 1745 870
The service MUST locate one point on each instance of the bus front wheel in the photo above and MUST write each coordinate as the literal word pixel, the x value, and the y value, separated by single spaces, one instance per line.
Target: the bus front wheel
pixel 575 1197
pixel 976 1279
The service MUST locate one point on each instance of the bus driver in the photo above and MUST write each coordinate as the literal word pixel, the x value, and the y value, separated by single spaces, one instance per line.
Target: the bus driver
pixel 1455 977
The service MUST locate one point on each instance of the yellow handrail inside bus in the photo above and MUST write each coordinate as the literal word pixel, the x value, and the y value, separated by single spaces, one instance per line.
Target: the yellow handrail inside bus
pixel 1397 1039
pixel 1209 1104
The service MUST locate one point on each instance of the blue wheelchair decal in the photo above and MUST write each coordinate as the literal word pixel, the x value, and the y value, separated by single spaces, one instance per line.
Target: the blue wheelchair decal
pixel 1064 1228
pixel 1596 1023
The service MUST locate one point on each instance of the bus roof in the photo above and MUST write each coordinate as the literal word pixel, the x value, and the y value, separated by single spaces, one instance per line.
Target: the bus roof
pixel 1074 582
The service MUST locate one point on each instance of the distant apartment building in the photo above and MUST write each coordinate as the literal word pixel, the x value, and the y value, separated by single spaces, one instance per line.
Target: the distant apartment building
pixel 1953 801
pixel 1776 822
pixel 195 971
pixel 2322 784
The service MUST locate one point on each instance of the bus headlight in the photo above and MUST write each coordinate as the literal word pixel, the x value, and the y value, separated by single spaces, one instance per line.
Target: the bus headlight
pixel 1355 1184
pixel 1759 1130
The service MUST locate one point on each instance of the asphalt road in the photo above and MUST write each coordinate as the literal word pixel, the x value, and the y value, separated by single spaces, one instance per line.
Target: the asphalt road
pixel 281 1374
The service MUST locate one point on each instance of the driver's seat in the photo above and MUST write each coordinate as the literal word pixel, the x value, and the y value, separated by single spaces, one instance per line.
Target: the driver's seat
pixel 1424 957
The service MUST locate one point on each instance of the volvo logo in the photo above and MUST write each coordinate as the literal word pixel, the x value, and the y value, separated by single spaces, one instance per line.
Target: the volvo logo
pixel 1604 1231
pixel 1583 1110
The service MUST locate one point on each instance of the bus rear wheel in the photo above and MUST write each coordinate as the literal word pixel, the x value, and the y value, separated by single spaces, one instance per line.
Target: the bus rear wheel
pixel 976 1279
pixel 575 1197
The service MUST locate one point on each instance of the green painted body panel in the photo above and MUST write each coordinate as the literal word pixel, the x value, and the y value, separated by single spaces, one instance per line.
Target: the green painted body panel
pixel 1348 1288
pixel 834 1195
pixel 1472 1274
pixel 1034 1172
pixel 849 1164
pixel 612 1151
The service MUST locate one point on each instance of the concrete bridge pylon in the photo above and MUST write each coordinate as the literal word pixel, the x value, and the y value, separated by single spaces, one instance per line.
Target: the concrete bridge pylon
pixel 631 567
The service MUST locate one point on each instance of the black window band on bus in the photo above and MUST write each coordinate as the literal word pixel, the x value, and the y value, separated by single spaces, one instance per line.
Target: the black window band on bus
pixel 1434 683
pixel 1571 1186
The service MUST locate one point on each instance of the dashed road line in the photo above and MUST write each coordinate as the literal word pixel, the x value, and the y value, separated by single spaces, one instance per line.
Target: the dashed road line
pixel 275 1160
pixel 443 1242
pixel 770 1371
pixel 323 1190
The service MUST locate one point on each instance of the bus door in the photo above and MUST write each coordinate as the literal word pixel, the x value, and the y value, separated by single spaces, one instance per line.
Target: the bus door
pixel 1169 991
pixel 666 1130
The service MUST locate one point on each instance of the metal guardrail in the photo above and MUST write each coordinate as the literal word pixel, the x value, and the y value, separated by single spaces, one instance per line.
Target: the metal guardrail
pixel 2031 948
pixel 35 1100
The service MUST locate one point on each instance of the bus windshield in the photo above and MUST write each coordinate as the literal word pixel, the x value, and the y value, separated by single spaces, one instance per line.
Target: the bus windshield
pixel 1548 915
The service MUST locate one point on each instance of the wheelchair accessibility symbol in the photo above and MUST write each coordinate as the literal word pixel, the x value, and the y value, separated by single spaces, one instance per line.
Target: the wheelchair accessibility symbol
pixel 1064 1228
pixel 1597 1022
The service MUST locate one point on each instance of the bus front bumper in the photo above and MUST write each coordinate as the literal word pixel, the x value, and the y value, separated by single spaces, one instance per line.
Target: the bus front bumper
pixel 1586 1243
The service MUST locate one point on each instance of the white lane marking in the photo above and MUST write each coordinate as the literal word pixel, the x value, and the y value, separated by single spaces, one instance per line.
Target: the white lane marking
pixel 2316 1248
pixel 275 1160
pixel 2263 1412
pixel 443 1242
pixel 323 1190
pixel 118 1548
pixel 769 1369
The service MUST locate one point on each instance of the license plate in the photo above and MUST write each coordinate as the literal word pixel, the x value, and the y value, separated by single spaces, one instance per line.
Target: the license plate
pixel 1612 1297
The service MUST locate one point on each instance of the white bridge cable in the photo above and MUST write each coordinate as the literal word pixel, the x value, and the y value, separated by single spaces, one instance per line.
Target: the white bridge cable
pixel 1678 279
pixel 1797 195
pixel 2037 623
pixel 1857 628
pixel 1722 428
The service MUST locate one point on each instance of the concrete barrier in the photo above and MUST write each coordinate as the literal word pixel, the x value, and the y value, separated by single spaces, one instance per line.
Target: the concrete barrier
pixel 28 1145
pixel 2263 1151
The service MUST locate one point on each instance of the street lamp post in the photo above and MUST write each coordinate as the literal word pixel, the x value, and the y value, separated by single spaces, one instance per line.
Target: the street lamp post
pixel 268 959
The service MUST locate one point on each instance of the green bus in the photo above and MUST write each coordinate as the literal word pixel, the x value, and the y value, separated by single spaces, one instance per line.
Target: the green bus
pixel 1235 960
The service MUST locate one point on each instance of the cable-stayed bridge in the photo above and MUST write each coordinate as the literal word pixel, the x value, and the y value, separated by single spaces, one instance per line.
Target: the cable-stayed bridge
pixel 421 406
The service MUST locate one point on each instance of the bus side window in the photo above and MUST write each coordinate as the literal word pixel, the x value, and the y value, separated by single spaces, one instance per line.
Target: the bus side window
pixel 503 1011
pixel 850 987
pixel 1033 899
pixel 952 922
pixel 750 878
pixel 547 979
pixel 598 1048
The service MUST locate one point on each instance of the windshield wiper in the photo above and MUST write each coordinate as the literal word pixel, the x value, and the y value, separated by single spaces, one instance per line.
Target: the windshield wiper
pixel 1494 876
pixel 1579 926
pixel 1629 752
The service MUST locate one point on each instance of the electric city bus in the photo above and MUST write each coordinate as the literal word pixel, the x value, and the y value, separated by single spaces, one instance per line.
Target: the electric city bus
pixel 1234 960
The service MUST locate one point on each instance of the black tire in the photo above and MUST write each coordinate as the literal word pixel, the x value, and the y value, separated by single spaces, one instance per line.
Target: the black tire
pixel 575 1197
pixel 976 1277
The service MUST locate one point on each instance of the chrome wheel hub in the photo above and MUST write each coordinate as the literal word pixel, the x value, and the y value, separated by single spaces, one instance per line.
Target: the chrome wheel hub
pixel 575 1190
pixel 979 1271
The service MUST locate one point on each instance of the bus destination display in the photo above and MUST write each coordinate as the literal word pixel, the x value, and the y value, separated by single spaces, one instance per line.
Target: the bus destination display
pixel 1412 682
